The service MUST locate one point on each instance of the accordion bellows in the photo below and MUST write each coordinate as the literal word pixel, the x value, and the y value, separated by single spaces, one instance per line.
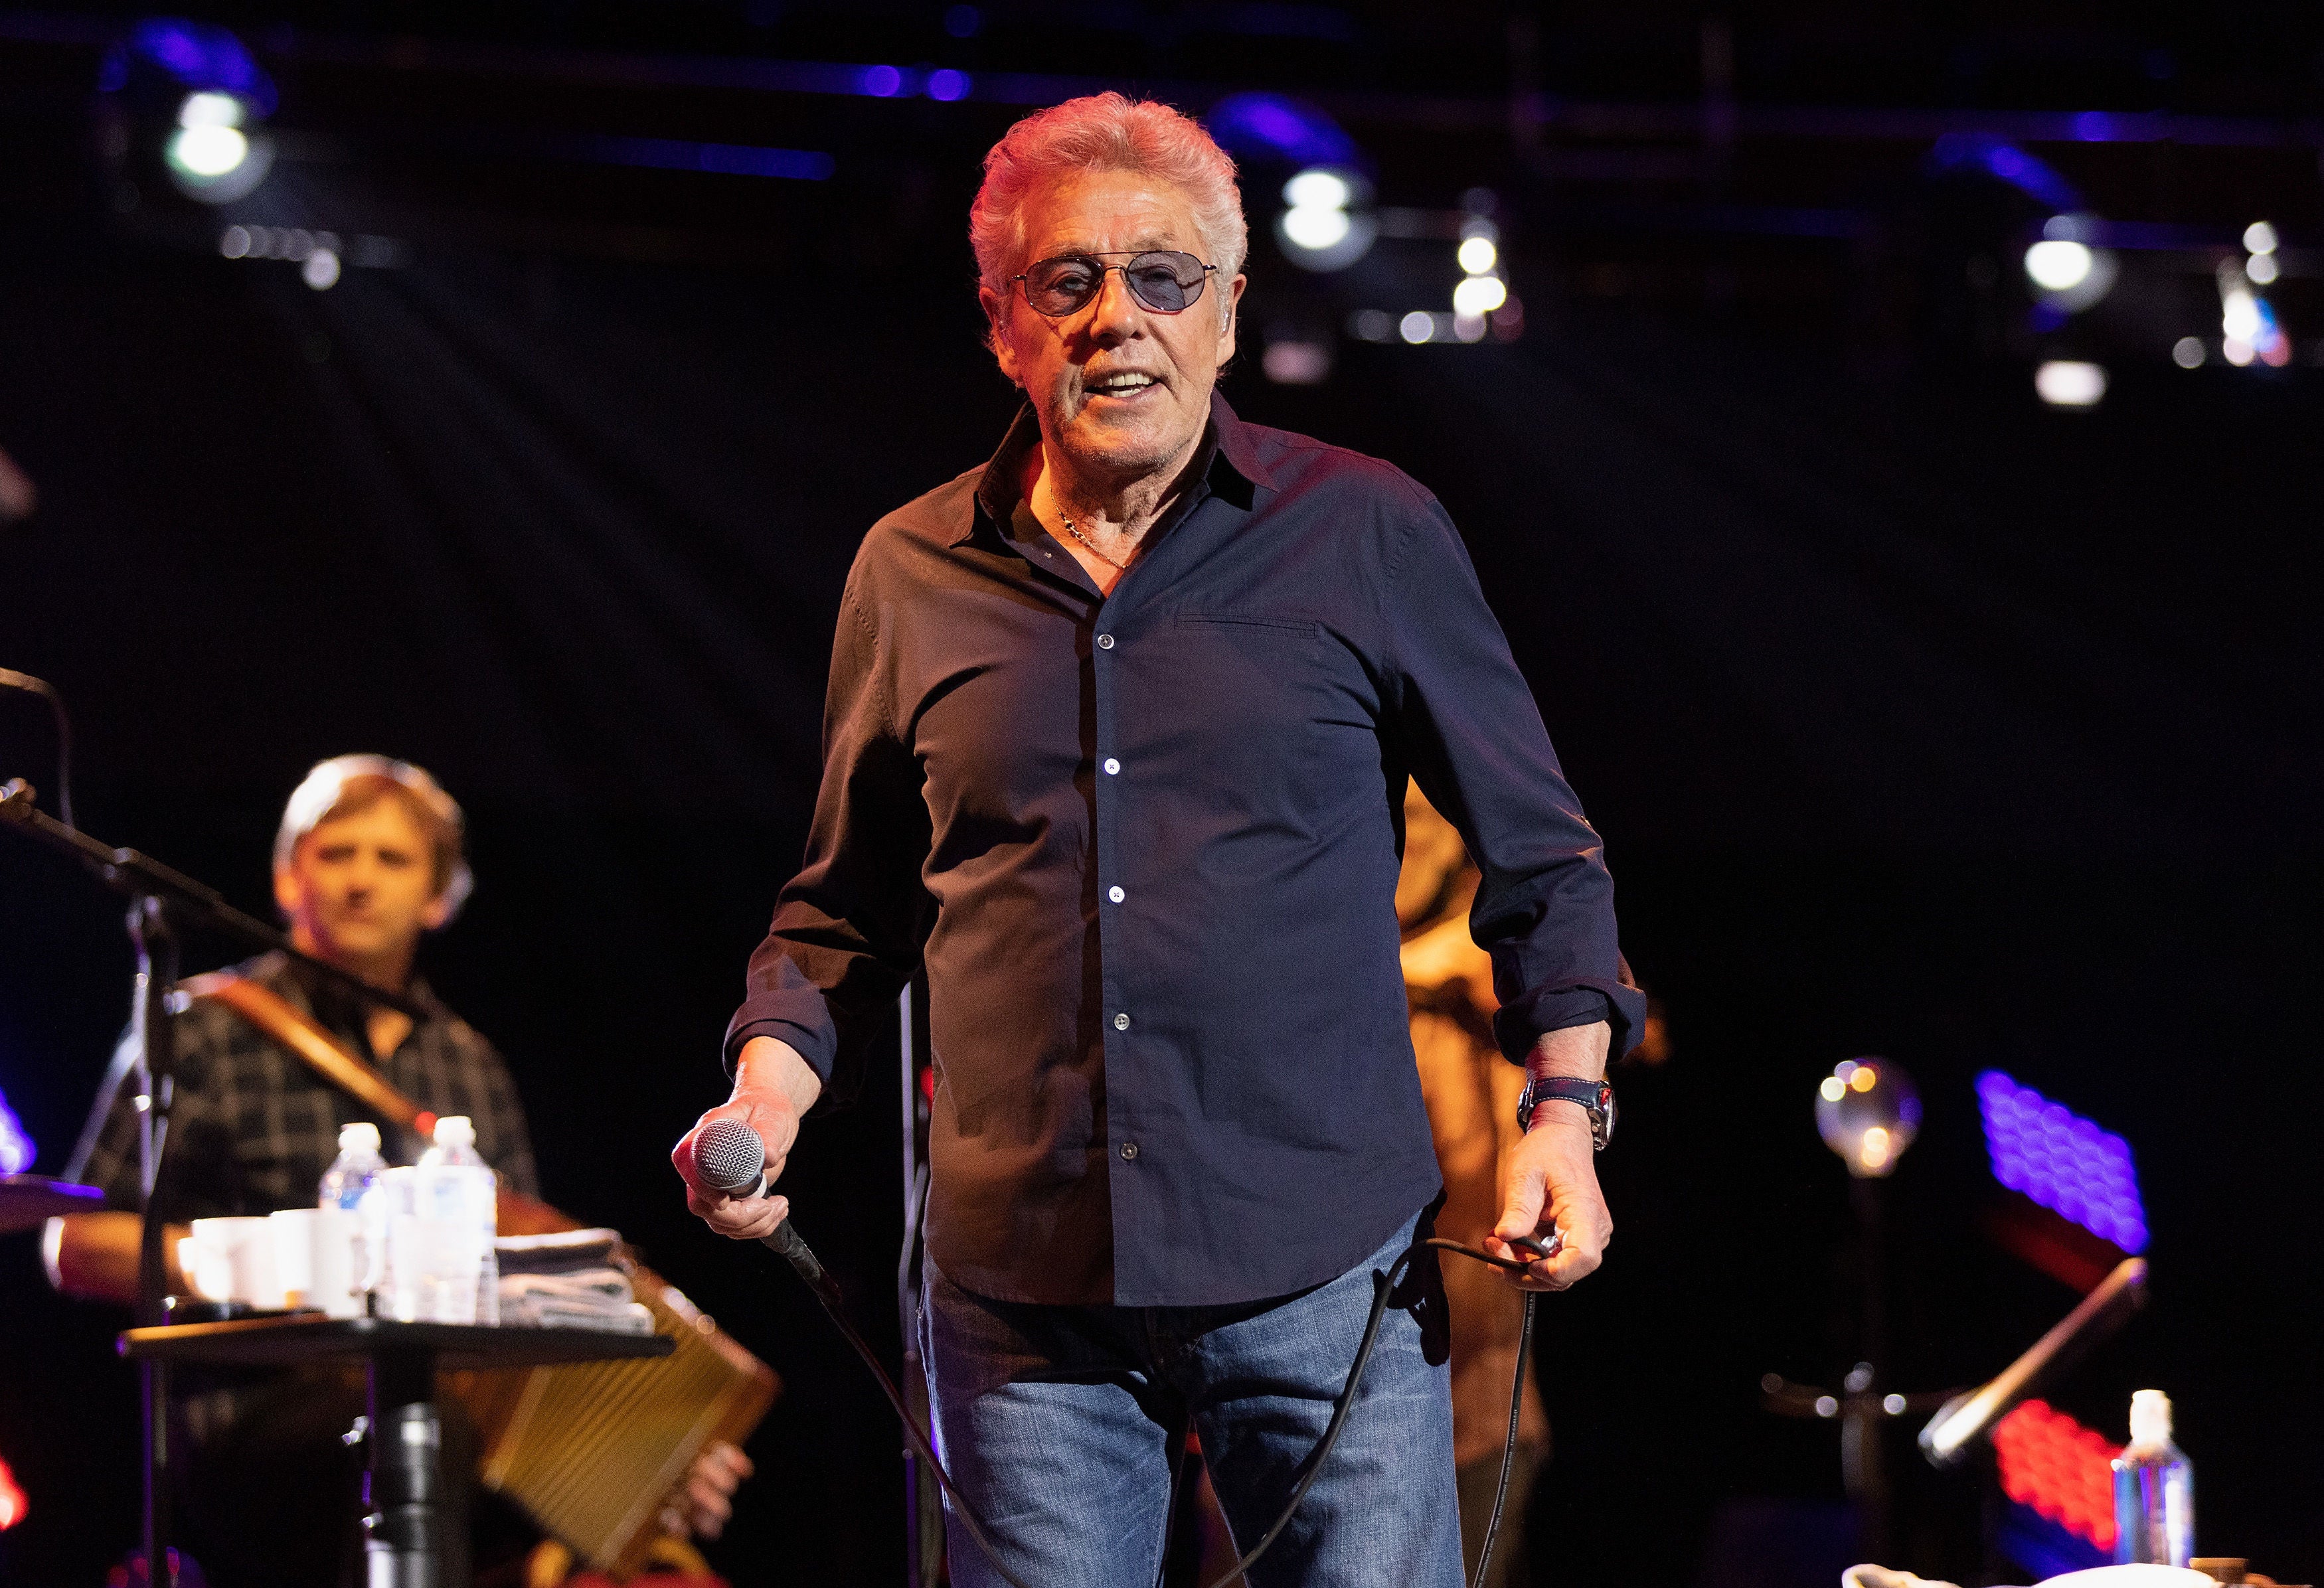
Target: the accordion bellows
pixel 592 1451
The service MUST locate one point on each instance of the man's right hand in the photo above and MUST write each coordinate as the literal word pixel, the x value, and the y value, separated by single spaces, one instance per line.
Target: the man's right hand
pixel 773 1087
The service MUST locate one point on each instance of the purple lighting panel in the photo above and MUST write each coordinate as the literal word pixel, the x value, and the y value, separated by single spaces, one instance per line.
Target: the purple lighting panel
pixel 2061 1161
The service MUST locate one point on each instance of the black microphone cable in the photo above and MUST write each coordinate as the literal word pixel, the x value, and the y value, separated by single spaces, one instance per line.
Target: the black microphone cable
pixel 713 1153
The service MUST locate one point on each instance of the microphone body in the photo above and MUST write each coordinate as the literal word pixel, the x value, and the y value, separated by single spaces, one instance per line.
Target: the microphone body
pixel 730 1159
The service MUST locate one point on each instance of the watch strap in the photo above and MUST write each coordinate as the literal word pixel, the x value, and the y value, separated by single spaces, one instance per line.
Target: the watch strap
pixel 1595 1096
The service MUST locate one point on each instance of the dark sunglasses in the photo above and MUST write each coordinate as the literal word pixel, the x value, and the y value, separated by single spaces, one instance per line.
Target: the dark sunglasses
pixel 1164 281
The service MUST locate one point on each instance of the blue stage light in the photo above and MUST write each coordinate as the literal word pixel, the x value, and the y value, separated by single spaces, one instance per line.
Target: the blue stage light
pixel 2061 1161
pixel 17 1149
pixel 1269 126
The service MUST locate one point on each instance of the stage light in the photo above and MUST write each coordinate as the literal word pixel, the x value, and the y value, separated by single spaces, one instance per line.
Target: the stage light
pixel 1479 296
pixel 2188 353
pixel 13 1504
pixel 1417 326
pixel 2063 1161
pixel 2055 1467
pixel 1315 228
pixel 1324 227
pixel 2259 237
pixel 321 270
pixel 1867 1112
pixel 2067 382
pixel 881 82
pixel 1298 362
pixel 190 93
pixel 1478 255
pixel 948 85
pixel 2058 264
pixel 17 1149
pixel 2069 272
pixel 2262 269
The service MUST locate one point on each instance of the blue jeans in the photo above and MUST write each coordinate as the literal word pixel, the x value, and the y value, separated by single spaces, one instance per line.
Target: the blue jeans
pixel 1057 1423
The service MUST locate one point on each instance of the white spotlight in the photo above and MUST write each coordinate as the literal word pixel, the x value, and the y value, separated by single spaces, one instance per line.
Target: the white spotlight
pixel 2070 383
pixel 2058 264
pixel 2259 237
pixel 208 150
pixel 321 270
pixel 1417 326
pixel 1478 255
pixel 1326 227
pixel 1479 296
pixel 1314 227
pixel 2188 353
pixel 1319 188
pixel 2263 268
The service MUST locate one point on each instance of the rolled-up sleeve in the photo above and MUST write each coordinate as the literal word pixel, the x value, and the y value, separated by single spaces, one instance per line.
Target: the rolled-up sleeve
pixel 848 929
pixel 1470 732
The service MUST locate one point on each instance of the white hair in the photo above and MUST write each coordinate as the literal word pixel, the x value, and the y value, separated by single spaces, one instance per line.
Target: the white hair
pixel 1104 132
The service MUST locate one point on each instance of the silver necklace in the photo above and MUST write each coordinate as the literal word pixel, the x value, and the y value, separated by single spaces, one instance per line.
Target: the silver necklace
pixel 1074 530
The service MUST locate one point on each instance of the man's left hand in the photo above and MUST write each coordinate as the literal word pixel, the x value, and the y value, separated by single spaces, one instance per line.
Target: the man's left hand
pixel 1553 1184
pixel 704 1501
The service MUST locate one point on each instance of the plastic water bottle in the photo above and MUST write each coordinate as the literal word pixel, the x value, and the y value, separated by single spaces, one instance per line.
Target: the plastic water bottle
pixel 354 1170
pixel 453 1197
pixel 2153 1489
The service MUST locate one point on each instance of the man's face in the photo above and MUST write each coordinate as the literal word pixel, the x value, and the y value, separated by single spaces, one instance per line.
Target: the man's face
pixel 1083 372
pixel 362 885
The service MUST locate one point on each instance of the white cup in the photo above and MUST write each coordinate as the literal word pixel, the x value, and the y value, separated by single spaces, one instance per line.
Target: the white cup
pixel 315 1258
pixel 235 1261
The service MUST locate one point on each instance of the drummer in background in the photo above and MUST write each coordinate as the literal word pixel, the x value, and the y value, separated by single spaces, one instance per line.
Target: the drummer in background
pixel 368 859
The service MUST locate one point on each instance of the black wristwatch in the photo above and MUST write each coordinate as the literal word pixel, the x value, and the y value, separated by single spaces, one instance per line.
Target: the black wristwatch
pixel 1596 1095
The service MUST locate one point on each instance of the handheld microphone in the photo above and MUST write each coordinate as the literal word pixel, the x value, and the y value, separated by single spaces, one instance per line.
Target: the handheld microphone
pixel 731 1160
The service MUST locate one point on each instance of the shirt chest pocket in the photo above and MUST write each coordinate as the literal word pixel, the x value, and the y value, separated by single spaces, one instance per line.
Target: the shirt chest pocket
pixel 1261 694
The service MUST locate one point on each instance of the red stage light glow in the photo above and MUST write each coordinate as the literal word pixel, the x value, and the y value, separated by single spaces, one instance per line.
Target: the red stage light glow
pixel 12 1503
pixel 2053 1465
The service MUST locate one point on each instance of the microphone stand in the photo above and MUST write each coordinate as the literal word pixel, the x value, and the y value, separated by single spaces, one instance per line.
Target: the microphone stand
pixel 159 899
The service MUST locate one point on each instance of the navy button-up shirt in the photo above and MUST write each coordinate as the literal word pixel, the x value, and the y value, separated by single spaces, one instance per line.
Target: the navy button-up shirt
pixel 1146 845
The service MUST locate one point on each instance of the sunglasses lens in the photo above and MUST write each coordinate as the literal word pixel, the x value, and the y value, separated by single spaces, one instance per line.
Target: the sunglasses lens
pixel 1058 287
pixel 1164 283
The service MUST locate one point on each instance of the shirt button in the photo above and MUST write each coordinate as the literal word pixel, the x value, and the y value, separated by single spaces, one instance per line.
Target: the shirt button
pixel 1116 895
pixel 1111 766
pixel 1129 1150
pixel 1122 1022
pixel 1105 642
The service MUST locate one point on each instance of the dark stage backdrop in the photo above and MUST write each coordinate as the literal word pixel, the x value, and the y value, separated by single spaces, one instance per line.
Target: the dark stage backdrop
pixel 1919 721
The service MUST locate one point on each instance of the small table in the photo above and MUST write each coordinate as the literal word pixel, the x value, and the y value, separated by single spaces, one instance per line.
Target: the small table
pixel 402 1546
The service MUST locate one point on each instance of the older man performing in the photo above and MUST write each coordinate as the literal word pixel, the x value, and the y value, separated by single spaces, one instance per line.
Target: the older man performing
pixel 1116 743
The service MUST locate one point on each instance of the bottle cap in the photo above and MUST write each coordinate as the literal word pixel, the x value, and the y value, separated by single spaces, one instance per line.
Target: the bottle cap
pixel 459 1129
pixel 2149 1417
pixel 361 1137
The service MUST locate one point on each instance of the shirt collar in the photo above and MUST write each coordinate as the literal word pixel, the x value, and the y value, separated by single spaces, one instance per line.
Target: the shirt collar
pixel 1227 463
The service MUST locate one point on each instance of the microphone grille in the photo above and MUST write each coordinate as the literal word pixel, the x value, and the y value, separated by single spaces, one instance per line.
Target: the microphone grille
pixel 729 1156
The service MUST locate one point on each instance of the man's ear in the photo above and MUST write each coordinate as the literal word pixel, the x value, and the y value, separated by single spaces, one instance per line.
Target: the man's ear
pixel 287 891
pixel 436 912
pixel 1233 296
pixel 996 320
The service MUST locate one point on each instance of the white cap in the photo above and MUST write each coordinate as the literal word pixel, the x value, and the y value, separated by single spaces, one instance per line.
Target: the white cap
pixel 361 1135
pixel 2149 1417
pixel 457 1128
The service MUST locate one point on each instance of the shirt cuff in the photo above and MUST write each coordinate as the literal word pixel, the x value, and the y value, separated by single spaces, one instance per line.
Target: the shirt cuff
pixel 1518 1025
pixel 800 1019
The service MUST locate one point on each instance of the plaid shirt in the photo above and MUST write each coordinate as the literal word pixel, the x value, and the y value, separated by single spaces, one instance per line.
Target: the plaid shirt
pixel 253 1129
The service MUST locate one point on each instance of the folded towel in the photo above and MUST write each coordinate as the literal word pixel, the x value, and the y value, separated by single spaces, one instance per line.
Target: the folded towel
pixel 587 1287
pixel 564 1252
pixel 547 1312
